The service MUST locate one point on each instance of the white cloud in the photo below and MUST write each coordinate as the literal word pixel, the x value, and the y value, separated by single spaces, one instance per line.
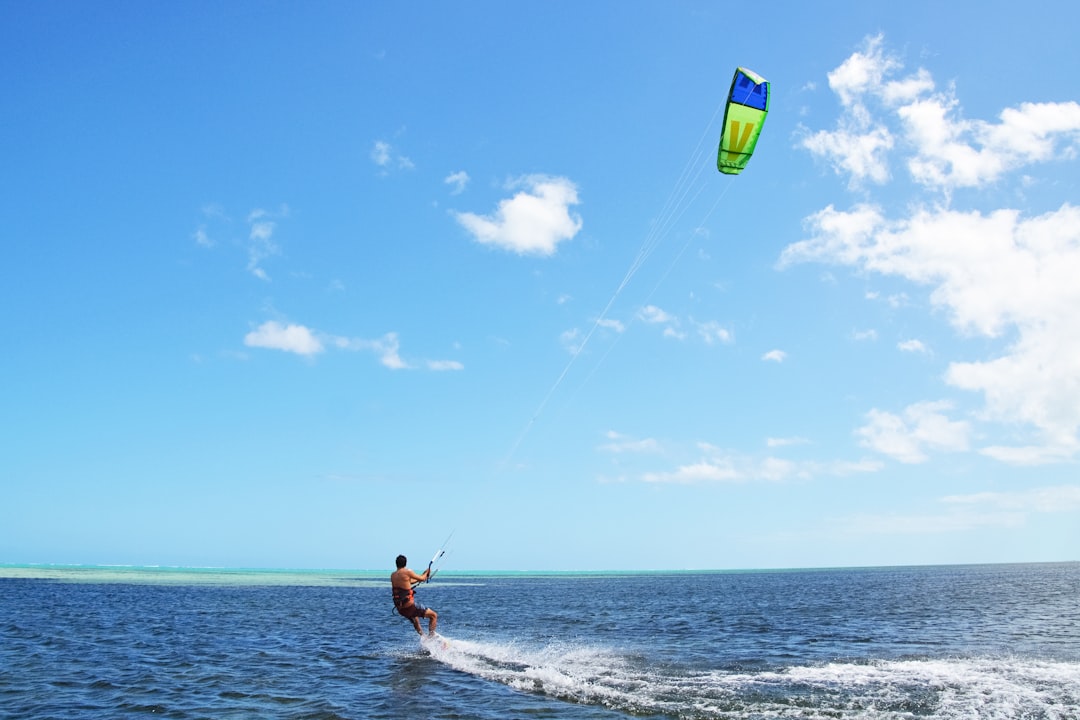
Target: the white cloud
pixel 913 346
pixel 907 90
pixel 908 436
pixel 945 150
pixel 697 473
pixel 862 73
pixel 860 154
pixel 611 324
pixel 457 182
pixel 956 153
pixel 859 146
pixel 777 356
pixel 289 338
pixel 653 314
pixel 532 222
pixel 992 274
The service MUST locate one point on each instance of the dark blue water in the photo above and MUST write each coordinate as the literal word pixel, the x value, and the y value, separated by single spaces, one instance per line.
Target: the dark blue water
pixel 941 642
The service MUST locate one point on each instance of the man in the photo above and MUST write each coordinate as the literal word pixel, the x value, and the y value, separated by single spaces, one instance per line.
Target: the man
pixel 402 581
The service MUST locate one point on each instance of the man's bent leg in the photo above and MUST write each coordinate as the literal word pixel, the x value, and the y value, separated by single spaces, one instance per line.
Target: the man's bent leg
pixel 433 618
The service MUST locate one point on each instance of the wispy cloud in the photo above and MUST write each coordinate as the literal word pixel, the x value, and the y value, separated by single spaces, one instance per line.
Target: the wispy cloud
pixel 618 443
pixel 653 315
pixel 258 242
pixel 1056 499
pixel 388 159
pixel 710 332
pixel 699 472
pixel 928 523
pixel 716 465
pixel 964 513
pixel 302 340
pixel 387 348
pixel 713 333
pixel 261 244
pixel 211 214
pixel 913 346
pixel 776 356
pixel 202 238
pixel 573 340
pixel 444 365
pixel 457 181
pixel 380 153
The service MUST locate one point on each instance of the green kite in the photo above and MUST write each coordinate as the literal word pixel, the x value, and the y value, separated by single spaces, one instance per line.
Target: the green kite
pixel 747 105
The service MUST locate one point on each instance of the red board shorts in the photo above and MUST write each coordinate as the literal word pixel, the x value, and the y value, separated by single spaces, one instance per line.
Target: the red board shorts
pixel 416 610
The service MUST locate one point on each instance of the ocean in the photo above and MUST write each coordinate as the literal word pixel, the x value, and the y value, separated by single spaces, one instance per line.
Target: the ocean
pixel 949 642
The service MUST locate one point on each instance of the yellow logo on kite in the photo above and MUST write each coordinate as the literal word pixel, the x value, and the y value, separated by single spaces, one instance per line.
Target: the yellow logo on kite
pixel 739 139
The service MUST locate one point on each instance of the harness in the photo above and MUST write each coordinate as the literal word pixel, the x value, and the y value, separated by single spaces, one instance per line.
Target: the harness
pixel 404 604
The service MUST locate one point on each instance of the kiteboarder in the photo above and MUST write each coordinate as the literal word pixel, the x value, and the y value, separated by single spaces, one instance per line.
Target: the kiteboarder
pixel 403 580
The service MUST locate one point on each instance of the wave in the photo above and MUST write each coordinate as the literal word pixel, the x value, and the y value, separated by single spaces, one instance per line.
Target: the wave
pixel 988 688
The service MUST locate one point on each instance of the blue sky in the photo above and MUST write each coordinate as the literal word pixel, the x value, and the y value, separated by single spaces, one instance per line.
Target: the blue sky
pixel 312 284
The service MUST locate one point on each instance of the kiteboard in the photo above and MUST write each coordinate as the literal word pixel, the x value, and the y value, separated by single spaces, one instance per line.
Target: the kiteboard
pixel 434 642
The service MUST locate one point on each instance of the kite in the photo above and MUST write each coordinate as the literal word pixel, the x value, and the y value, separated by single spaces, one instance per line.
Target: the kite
pixel 747 105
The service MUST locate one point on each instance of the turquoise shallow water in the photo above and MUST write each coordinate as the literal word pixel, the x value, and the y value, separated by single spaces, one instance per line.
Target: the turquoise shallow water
pixel 895 643
pixel 193 576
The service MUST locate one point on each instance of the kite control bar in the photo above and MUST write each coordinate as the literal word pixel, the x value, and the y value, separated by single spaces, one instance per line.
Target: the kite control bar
pixel 435 558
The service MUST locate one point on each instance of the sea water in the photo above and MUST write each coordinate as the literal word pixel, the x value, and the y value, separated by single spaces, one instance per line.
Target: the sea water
pixel 988 641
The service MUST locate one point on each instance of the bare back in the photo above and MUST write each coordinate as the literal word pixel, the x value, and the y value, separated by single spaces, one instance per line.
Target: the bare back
pixel 404 579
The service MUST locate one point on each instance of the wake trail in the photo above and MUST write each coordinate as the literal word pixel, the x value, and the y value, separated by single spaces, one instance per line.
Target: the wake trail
pixel 936 689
